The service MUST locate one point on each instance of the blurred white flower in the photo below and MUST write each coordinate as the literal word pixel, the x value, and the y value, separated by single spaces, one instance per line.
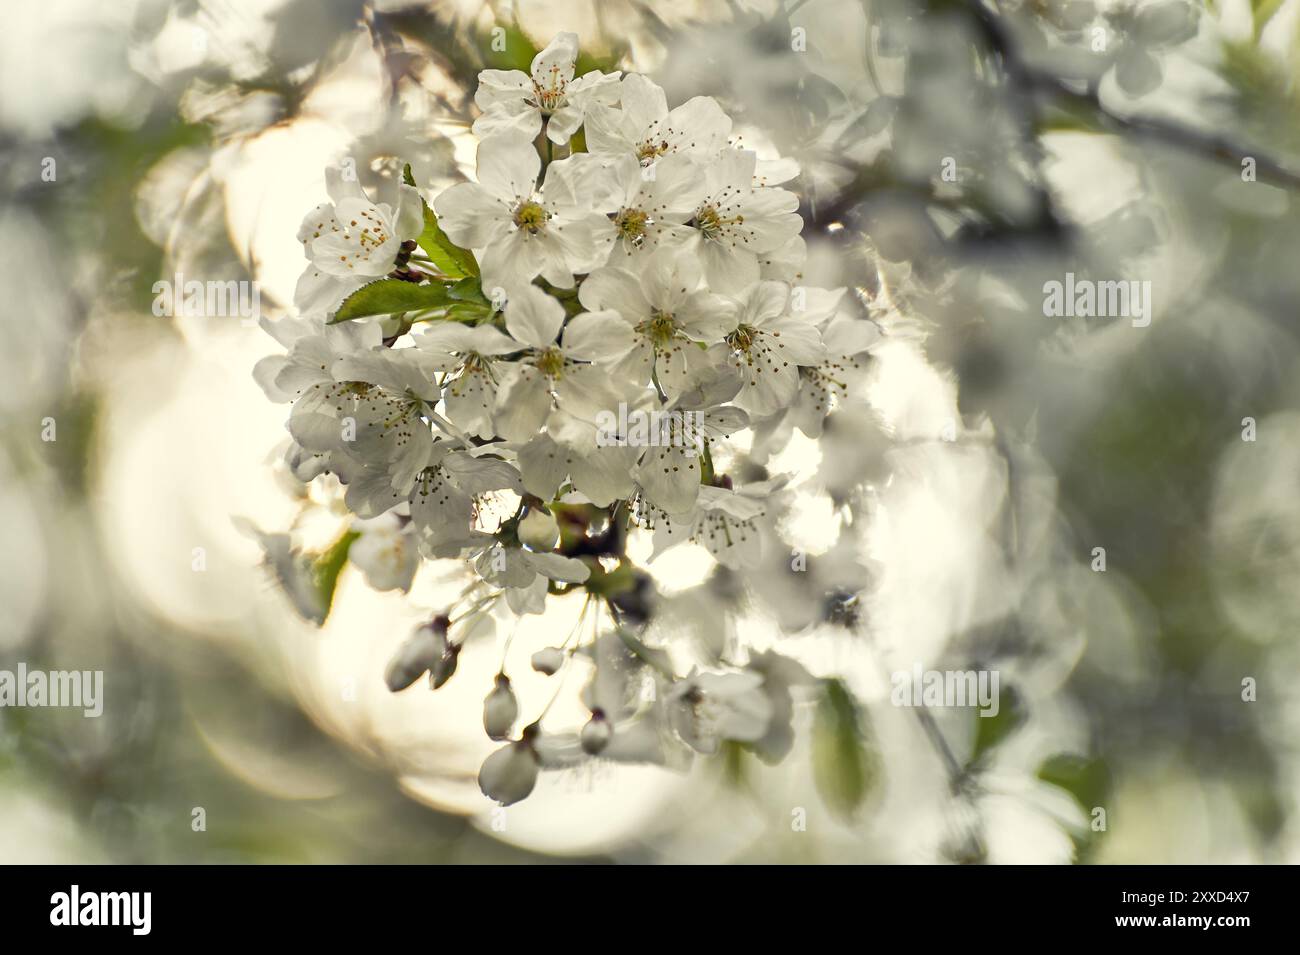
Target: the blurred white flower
pixel 423 650
pixel 516 102
pixel 707 708
pixel 386 552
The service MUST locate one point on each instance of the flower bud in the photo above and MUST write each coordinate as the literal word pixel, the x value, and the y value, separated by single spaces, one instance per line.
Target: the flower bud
pixel 421 651
pixel 441 671
pixel 596 734
pixel 500 709
pixel 510 774
pixel 548 661
pixel 538 530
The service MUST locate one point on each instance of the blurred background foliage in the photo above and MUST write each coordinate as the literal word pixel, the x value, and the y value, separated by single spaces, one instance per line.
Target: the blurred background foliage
pixel 1107 140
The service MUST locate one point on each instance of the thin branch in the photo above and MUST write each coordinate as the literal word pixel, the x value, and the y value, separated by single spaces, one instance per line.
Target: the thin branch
pixel 996 34
pixel 956 775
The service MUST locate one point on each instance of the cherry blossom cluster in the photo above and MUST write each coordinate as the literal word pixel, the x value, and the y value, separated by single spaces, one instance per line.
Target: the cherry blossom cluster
pixel 537 364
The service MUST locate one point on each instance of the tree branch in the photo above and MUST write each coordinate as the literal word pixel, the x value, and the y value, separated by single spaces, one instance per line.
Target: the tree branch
pixel 996 34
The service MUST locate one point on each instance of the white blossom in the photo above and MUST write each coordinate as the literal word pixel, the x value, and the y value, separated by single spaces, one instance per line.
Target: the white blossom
pixel 516 102
pixel 656 276
pixel 737 222
pixel 664 312
pixel 767 348
pixel 352 240
pixel 646 129
pixel 707 708
pixel 517 230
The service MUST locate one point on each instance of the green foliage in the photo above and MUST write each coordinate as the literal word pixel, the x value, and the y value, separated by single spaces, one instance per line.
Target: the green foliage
pixel 1085 778
pixel 326 568
pixel 992 731
pixel 453 261
pixel 469 291
pixel 389 297
pixel 845 763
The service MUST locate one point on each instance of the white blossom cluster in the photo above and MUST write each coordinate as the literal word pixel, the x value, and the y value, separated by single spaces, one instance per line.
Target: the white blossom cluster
pixel 456 367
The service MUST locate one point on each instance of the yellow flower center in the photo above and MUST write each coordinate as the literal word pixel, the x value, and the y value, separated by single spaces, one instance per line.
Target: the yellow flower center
pixel 631 225
pixel 712 223
pixel 530 217
pixel 742 339
pixel 660 328
pixel 648 151
pixel 550 362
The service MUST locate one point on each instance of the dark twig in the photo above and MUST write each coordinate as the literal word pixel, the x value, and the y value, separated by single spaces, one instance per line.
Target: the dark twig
pixel 1062 95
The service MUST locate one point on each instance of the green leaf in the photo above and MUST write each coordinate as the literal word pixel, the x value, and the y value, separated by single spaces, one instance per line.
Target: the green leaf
pixel 991 731
pixel 845 764
pixel 467 312
pixel 326 568
pixel 451 259
pixel 1086 779
pixel 468 290
pixel 388 297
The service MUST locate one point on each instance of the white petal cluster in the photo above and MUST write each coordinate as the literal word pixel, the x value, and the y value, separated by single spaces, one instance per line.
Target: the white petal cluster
pixel 614 258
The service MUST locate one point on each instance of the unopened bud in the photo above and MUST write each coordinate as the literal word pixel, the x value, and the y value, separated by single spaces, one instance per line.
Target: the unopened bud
pixel 441 671
pixel 500 709
pixel 597 733
pixel 510 774
pixel 538 530
pixel 548 661
pixel 422 651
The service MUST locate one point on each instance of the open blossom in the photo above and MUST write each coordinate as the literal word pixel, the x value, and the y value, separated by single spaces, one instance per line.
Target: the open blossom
pixel 519 230
pixel 848 342
pixel 351 240
pixel 524 574
pixel 648 209
pixel 707 708
pixel 737 222
pixel 516 102
pixel 386 552
pixel 470 357
pixel 555 369
pixel 461 407
pixel 659 313
pixel 644 128
pixel 767 348
pixel 723 521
